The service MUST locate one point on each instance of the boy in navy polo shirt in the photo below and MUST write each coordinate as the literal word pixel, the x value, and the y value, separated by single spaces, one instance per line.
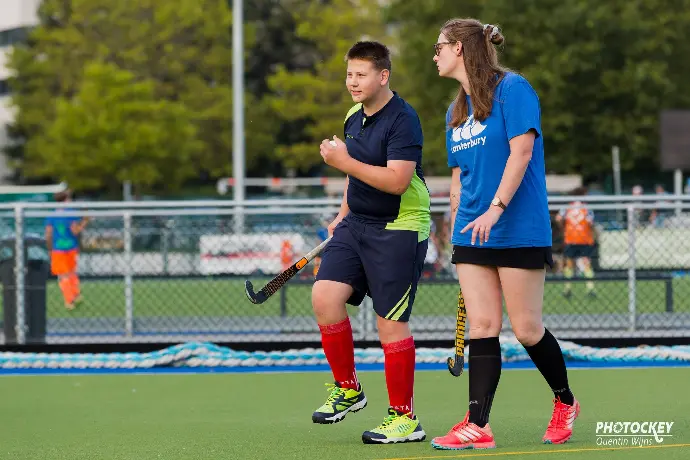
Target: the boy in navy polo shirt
pixel 379 243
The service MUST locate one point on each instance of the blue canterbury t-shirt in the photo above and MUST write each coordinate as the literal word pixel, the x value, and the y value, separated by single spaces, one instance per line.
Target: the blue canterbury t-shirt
pixel 481 150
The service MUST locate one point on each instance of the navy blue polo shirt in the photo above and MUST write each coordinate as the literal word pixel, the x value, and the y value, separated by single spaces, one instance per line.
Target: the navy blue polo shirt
pixel 392 133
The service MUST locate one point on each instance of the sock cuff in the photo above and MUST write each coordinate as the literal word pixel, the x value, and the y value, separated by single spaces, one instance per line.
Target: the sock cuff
pixel 336 328
pixel 488 346
pixel 397 347
pixel 546 338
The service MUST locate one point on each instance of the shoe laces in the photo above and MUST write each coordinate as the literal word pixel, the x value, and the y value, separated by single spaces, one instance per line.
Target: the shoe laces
pixel 460 425
pixel 560 414
pixel 335 392
pixel 387 421
pixel 391 417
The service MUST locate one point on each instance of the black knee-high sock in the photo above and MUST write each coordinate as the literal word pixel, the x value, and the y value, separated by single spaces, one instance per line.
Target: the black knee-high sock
pixel 547 356
pixel 485 372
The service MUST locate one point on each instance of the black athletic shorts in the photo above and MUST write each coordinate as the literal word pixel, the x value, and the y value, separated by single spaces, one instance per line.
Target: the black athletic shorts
pixel 384 264
pixel 529 258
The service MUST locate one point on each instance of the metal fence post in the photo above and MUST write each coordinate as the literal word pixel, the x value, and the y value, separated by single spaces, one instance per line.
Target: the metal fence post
pixel 165 248
pixel 19 270
pixel 632 293
pixel 129 299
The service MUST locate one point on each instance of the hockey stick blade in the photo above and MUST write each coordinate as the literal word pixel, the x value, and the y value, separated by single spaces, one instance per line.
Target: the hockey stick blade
pixel 456 365
pixel 257 298
pixel 279 281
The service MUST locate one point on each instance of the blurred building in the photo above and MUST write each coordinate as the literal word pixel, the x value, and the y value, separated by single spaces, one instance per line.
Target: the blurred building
pixel 16 18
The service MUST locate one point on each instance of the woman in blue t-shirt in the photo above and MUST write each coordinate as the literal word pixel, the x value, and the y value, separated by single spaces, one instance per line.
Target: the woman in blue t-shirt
pixel 501 231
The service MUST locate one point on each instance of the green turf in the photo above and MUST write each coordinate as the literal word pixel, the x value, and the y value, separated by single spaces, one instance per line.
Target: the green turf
pixel 211 297
pixel 268 416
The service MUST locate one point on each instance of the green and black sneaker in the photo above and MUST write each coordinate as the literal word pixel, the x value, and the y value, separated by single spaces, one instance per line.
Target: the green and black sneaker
pixel 340 401
pixel 395 428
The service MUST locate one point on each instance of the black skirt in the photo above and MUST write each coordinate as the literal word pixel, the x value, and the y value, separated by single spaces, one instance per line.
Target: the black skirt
pixel 529 257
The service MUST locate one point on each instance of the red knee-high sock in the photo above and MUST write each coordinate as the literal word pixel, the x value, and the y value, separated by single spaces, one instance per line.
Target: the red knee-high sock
pixel 339 348
pixel 66 288
pixel 399 368
pixel 74 281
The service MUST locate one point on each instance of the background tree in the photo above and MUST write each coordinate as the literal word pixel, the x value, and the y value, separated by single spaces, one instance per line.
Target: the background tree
pixel 317 98
pixel 181 49
pixel 115 129
pixel 603 71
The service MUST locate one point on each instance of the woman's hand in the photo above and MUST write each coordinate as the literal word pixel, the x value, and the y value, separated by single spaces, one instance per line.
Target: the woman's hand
pixel 481 226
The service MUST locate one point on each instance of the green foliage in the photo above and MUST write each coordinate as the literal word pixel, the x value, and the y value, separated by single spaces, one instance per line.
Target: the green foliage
pixel 318 97
pixel 603 71
pixel 115 129
pixel 417 28
pixel 180 50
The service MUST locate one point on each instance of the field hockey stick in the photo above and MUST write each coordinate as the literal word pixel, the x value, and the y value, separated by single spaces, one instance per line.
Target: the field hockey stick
pixel 456 364
pixel 279 281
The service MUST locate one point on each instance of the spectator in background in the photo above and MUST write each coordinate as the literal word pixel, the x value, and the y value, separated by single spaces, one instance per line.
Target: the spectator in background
pixel 578 237
pixel 62 240
pixel 557 243
pixel 637 190
pixel 657 216
pixel 286 254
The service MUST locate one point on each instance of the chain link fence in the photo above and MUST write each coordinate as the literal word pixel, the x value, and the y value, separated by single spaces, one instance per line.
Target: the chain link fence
pixel 173 272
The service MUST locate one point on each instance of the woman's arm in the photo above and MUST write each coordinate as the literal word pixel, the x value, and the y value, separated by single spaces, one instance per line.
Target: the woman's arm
pixel 455 190
pixel 520 156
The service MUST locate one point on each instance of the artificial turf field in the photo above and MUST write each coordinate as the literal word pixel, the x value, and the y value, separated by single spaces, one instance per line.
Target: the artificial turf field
pixel 213 297
pixel 268 416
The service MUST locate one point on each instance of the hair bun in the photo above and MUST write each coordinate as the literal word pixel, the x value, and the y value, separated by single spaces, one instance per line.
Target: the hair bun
pixel 494 34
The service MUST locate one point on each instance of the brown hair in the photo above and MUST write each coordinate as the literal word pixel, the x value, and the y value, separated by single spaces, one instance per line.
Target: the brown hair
pixel 374 52
pixel 481 64
pixel 63 196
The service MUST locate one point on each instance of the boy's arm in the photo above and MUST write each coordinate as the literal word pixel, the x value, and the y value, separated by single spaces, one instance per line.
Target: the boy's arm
pixel 394 178
pixel 403 150
pixel 78 227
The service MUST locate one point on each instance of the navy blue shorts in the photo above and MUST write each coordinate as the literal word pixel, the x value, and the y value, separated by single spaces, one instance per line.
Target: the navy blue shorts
pixel 384 264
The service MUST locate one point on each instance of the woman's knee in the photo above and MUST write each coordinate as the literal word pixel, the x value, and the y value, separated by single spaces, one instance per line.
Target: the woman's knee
pixel 524 295
pixel 529 332
pixel 484 327
pixel 481 290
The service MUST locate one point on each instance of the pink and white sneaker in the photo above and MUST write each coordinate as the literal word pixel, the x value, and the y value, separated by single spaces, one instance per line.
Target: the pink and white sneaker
pixel 560 427
pixel 466 435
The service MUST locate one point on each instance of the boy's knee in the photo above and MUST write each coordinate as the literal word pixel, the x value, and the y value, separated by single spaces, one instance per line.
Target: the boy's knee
pixel 392 331
pixel 328 302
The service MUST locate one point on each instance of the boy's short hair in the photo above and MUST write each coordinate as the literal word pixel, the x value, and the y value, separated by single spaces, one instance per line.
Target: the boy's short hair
pixel 374 52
